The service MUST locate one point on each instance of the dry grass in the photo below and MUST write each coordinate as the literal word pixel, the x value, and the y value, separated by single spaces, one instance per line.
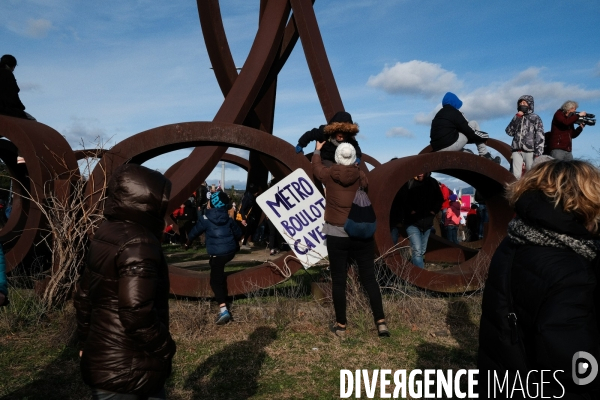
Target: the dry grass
pixel 278 347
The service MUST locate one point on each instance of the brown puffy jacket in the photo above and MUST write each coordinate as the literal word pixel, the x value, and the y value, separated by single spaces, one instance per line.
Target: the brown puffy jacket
pixel 122 299
pixel 341 182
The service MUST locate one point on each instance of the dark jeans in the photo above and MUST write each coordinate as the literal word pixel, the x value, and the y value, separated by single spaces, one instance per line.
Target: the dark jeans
pixel 341 251
pixel 252 224
pixel 98 394
pixel 452 233
pixel 218 281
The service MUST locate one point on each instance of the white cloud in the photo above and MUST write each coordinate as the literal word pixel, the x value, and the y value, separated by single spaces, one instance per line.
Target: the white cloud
pixel 84 132
pixel 37 28
pixel 399 132
pixel 415 77
pixel 597 71
pixel 499 99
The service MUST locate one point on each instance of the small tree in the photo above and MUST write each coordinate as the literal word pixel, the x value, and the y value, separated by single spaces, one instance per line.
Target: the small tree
pixel 70 220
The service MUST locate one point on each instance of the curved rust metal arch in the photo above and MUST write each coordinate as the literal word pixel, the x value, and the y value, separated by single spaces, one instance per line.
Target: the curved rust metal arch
pixel 50 165
pixel 167 138
pixel 370 160
pixel 241 97
pixel 495 144
pixel 480 173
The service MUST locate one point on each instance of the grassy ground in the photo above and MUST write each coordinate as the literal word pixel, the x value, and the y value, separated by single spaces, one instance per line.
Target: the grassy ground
pixel 278 347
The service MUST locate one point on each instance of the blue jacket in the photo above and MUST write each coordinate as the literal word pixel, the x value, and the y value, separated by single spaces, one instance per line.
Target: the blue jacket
pixel 3 284
pixel 222 232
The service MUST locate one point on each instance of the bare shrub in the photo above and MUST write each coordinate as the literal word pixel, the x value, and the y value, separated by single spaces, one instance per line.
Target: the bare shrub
pixel 70 217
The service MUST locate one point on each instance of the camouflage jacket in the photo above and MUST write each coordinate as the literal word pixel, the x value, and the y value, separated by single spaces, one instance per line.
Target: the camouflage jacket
pixel 527 131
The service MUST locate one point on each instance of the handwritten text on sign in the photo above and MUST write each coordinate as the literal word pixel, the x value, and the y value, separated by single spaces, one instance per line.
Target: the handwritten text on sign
pixel 296 208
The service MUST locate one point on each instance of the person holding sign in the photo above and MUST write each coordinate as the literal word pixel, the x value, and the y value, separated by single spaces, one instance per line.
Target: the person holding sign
pixel 342 181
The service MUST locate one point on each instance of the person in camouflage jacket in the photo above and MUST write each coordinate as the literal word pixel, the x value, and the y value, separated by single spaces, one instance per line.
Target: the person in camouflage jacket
pixel 527 131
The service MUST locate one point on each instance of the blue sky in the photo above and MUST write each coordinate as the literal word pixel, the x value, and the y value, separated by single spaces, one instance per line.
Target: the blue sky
pixel 116 68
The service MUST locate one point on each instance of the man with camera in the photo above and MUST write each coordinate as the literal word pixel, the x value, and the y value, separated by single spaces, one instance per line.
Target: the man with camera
pixel 563 130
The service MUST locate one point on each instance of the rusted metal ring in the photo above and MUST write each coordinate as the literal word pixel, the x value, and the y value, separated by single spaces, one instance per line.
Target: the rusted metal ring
pixel 157 141
pixel 482 174
pixel 50 164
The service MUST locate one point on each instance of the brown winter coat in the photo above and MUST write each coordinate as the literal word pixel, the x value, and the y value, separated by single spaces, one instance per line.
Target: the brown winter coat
pixel 122 300
pixel 341 182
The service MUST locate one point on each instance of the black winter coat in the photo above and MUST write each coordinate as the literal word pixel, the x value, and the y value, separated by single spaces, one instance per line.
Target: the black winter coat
pixel 222 232
pixel 446 125
pixel 122 299
pixel 424 198
pixel 328 149
pixel 554 292
pixel 10 103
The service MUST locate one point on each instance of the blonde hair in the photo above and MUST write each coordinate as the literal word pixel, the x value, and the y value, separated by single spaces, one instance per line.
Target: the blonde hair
pixel 572 185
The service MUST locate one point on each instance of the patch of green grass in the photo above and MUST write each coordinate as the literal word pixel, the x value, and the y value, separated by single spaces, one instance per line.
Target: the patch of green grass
pixel 278 347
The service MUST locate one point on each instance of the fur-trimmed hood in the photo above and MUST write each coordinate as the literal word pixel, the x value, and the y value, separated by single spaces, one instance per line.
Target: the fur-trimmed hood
pixel 344 127
pixel 341 122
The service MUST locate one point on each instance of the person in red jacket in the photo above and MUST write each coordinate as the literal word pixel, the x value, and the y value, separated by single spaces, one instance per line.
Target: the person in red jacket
pixel 446 194
pixel 563 131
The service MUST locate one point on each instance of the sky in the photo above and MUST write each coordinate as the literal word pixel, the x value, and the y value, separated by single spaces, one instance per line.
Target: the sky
pixel 99 72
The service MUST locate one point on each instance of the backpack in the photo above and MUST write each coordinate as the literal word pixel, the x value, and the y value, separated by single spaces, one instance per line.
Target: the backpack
pixel 361 222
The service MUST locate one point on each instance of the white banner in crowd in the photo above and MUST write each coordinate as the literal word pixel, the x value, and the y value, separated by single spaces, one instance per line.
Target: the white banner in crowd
pixel 297 210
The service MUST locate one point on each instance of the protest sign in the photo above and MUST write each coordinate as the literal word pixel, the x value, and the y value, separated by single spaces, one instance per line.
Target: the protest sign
pixel 297 210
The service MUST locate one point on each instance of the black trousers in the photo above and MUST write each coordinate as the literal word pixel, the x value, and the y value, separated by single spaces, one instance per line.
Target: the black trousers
pixel 218 281
pixel 275 237
pixel 343 250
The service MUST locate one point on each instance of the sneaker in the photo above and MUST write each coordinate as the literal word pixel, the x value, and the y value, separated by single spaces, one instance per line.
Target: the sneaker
pixel 245 247
pixel 489 157
pixel 382 330
pixel 273 252
pixel 223 318
pixel 467 151
pixel 338 331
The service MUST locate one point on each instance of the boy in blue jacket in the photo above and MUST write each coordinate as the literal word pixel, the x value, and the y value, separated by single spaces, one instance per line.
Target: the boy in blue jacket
pixel 222 237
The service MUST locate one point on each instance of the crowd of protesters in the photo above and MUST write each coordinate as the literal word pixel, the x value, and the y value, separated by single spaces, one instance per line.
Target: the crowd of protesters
pixel 540 299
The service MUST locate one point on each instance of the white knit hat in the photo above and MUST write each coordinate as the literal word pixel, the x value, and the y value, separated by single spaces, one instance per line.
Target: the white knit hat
pixel 345 154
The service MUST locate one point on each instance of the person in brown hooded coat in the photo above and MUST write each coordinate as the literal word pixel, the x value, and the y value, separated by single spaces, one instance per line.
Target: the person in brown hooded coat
pixel 342 181
pixel 122 298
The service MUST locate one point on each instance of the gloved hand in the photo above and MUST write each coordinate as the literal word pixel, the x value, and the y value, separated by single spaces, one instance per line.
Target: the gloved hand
pixel 357 161
pixel 299 149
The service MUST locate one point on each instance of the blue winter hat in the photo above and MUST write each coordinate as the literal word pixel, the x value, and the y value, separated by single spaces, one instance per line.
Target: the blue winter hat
pixel 219 200
pixel 453 100
pixel 453 197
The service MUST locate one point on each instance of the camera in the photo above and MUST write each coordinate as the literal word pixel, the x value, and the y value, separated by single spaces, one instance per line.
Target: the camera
pixel 588 119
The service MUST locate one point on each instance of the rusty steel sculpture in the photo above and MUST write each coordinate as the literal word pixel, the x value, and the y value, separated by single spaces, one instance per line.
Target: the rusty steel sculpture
pixel 245 121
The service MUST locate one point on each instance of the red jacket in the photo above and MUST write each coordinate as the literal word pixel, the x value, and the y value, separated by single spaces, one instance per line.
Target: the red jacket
pixel 563 131
pixel 446 194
